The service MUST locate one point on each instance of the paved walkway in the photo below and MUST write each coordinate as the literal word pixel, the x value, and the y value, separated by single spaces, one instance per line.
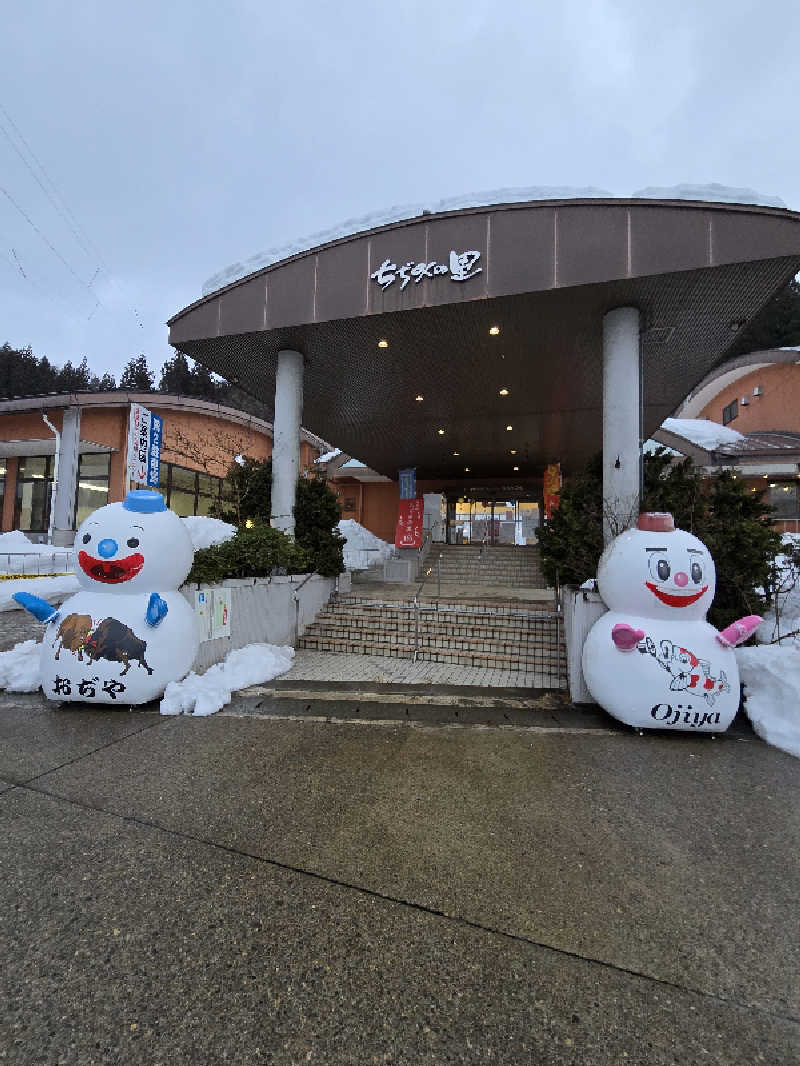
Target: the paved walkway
pixel 333 666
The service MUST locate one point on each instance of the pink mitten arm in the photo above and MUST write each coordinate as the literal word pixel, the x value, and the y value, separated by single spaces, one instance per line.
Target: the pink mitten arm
pixel 739 631
pixel 626 637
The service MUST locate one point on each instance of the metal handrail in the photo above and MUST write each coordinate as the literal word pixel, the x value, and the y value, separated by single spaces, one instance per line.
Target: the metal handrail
pixel 297 606
pixel 416 604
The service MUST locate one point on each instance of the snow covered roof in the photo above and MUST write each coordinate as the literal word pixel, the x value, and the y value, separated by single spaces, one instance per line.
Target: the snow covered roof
pixel 526 194
pixel 702 431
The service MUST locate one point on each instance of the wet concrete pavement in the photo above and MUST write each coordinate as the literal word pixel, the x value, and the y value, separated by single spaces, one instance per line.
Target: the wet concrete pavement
pixel 286 883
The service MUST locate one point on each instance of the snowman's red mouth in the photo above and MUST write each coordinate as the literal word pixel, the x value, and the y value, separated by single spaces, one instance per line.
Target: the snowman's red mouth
pixel 672 599
pixel 111 571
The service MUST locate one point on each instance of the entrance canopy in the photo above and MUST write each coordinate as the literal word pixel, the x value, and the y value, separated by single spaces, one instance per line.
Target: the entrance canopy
pixel 397 325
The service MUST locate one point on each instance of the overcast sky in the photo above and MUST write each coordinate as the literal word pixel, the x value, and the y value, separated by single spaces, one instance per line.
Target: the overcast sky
pixel 181 136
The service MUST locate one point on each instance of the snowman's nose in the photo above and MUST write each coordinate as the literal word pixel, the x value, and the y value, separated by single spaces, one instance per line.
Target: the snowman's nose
pixel 109 547
pixel 681 579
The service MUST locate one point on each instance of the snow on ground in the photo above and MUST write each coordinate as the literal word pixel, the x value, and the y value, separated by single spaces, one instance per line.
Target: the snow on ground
pixel 702 431
pixel 204 694
pixel 52 589
pixel 771 676
pixel 363 549
pixel 19 667
pixel 206 532
pixel 18 555
pixel 786 618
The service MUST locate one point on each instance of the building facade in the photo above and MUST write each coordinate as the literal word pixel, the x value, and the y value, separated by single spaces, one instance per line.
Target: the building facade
pixel 200 441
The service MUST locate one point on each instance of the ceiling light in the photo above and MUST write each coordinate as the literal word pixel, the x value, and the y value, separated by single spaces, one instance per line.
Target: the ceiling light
pixel 514 452
pixel 516 468
pixel 383 344
pixel 504 392
pixel 440 432
pixel 459 453
pixel 772 484
pixel 419 398
pixel 466 469
pixel 509 428
pixel 494 330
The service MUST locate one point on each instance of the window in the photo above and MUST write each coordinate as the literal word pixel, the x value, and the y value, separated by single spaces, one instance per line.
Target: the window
pixel 2 484
pixel 92 489
pixel 34 487
pixel 730 412
pixel 189 492
pixel 783 497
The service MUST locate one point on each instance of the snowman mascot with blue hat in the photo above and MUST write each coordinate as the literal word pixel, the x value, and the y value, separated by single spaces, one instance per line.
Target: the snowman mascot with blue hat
pixel 128 632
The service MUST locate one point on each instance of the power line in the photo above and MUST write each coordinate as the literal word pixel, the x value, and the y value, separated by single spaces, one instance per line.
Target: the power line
pixel 51 246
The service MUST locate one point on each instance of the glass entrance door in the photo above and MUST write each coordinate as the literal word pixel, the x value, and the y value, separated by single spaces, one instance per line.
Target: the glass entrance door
pixel 492 521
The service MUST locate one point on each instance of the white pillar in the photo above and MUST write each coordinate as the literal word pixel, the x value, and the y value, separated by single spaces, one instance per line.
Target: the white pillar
pixel 621 420
pixel 66 479
pixel 286 439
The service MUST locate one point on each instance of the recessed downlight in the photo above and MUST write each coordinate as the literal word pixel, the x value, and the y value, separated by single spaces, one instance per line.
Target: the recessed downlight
pixel 459 453
pixel 513 451
pixel 504 392
pixel 516 468
pixel 466 469
pixel 494 330
pixel 383 343
pixel 509 428
pixel 419 397
pixel 440 432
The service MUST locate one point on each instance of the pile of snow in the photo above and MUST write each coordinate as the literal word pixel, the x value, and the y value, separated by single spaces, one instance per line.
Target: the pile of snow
pixel 771 676
pixel 18 555
pixel 206 532
pixel 702 431
pixel 784 616
pixel 204 694
pixel 328 456
pixel 714 194
pixel 363 549
pixel 52 589
pixel 19 668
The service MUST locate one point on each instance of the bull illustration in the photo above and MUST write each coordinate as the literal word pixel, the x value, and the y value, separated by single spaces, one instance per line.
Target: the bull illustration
pixel 72 633
pixel 113 640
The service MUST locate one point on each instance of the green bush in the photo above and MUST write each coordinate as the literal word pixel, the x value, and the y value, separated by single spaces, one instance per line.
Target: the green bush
pixel 254 552
pixel 733 523
pixel 248 496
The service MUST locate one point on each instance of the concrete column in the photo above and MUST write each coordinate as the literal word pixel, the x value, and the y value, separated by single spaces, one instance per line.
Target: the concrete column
pixel 621 420
pixel 68 458
pixel 286 439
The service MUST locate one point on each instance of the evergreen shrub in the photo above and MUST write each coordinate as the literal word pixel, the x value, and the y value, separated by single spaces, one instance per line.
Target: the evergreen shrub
pixel 733 522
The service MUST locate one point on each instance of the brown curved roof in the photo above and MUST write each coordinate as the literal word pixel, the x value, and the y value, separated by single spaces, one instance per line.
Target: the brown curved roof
pixel 549 271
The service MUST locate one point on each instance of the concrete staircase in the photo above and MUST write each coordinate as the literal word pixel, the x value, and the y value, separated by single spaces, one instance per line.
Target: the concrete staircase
pixel 522 640
pixel 508 566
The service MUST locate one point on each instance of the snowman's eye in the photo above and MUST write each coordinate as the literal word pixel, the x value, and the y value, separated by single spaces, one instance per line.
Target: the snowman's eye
pixel 87 537
pixel 697 573
pixel 659 567
pixel 133 542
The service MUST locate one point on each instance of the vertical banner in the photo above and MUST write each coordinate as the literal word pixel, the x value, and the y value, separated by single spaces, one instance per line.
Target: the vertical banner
pixel 408 483
pixel 552 488
pixel 138 444
pixel 154 457
pixel 409 523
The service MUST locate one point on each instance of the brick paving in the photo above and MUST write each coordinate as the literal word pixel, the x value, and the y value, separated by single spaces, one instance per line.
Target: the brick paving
pixel 334 666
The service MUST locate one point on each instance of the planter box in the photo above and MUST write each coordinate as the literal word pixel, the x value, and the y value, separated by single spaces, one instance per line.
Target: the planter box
pixel 264 611
pixel 581 610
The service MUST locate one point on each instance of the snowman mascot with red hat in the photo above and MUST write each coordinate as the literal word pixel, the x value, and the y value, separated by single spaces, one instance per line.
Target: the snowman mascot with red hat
pixel 653 661
pixel 128 632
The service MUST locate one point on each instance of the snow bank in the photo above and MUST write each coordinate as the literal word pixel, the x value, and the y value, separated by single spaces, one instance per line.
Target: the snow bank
pixel 19 667
pixel 715 194
pixel 702 431
pixel 204 694
pixel 18 555
pixel 52 589
pixel 205 532
pixel 363 549
pixel 326 458
pixel 771 676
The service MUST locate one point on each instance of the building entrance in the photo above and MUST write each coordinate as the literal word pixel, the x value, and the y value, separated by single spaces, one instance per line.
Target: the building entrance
pixel 491 521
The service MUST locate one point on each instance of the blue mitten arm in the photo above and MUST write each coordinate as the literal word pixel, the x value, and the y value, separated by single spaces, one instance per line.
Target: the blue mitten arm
pixel 39 608
pixel 156 610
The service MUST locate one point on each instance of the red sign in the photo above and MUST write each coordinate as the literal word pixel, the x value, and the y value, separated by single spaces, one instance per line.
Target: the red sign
pixel 409 523
pixel 552 489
